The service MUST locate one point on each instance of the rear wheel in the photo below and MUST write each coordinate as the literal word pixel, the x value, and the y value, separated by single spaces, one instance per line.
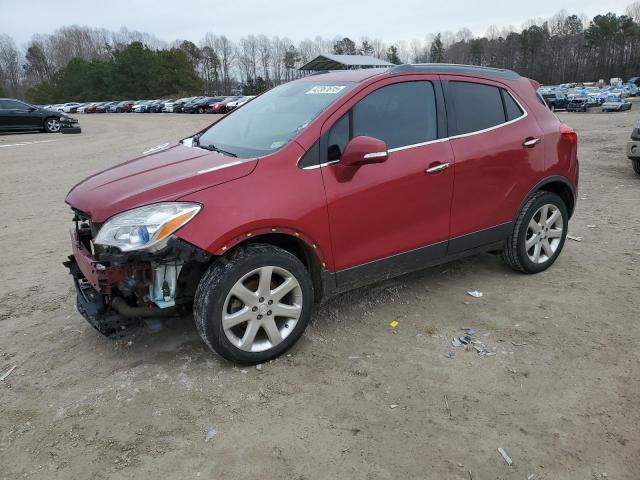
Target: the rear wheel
pixel 52 125
pixel 200 110
pixel 538 235
pixel 254 305
pixel 636 165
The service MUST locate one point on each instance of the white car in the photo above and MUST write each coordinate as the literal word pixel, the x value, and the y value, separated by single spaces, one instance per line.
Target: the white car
pixel 68 107
pixel 239 102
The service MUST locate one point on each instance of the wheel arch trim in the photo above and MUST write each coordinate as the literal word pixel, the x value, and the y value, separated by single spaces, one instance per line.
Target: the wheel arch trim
pixel 545 182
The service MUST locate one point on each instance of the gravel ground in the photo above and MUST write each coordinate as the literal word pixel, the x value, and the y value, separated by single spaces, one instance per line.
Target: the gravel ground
pixel 355 398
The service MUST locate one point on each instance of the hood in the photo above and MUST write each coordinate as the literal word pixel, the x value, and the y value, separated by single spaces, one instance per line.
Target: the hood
pixel 48 111
pixel 163 173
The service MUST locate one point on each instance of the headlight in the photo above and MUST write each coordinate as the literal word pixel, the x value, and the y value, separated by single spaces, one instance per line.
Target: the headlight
pixel 144 227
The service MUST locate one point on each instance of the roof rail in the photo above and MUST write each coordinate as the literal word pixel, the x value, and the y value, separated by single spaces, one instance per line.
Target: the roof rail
pixel 454 69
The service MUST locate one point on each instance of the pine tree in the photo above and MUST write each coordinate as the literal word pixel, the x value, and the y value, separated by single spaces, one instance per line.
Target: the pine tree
pixel 436 53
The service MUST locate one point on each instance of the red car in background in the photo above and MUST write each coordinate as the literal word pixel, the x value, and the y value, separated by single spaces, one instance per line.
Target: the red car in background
pixel 93 107
pixel 221 106
pixel 318 186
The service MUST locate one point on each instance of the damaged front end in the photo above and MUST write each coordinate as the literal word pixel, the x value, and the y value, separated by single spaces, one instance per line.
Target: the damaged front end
pixel 117 289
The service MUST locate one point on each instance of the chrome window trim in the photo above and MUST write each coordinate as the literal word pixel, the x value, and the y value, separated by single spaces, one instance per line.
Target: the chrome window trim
pixel 525 114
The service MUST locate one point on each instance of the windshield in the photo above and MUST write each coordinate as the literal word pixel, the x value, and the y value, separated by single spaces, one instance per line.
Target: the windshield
pixel 271 120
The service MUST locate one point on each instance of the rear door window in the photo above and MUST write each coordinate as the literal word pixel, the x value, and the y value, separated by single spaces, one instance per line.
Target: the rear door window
pixel 476 106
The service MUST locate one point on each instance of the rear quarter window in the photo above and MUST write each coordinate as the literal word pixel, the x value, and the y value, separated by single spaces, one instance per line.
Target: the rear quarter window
pixel 511 108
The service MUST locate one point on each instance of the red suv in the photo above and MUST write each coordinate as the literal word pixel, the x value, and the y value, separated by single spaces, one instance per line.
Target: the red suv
pixel 318 186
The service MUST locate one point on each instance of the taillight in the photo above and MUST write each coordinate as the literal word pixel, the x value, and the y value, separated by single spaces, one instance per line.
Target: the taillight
pixel 569 134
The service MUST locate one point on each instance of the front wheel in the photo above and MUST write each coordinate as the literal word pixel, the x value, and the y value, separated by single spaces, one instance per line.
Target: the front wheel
pixel 539 233
pixel 636 165
pixel 254 305
pixel 200 110
pixel 52 125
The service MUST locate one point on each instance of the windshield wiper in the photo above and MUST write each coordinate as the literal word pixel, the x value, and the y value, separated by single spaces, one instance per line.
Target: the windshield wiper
pixel 211 147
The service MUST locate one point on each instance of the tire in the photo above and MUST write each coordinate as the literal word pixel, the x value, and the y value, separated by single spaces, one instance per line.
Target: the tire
pixel 516 253
pixel 241 272
pixel 552 107
pixel 200 110
pixel 118 110
pixel 52 125
pixel 636 165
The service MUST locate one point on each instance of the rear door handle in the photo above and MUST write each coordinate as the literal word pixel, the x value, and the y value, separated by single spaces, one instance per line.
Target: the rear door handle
pixel 531 142
pixel 437 168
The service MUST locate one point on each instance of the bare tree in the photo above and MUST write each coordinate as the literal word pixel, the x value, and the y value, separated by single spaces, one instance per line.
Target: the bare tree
pixel 264 55
pixel 225 50
pixel 633 11
pixel 379 48
pixel 10 74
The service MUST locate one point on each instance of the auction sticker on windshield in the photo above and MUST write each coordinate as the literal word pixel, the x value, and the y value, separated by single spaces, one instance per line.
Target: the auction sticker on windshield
pixel 330 89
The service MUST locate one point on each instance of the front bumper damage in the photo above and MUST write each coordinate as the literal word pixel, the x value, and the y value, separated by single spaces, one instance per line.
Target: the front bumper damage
pixel 116 290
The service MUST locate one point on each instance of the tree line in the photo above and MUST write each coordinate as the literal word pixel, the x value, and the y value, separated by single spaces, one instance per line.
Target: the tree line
pixel 83 63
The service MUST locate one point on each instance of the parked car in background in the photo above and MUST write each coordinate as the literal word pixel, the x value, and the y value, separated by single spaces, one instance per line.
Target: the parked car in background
pixel 121 107
pixel 70 107
pixel 104 107
pixel 555 101
pixel 84 107
pixel 578 105
pixel 176 107
pixel 244 100
pixel 92 107
pixel 157 106
pixel 616 103
pixel 212 101
pixel 633 148
pixel 167 106
pixel 197 105
pixel 635 81
pixel 196 225
pixel 221 106
pixel 17 115
pixel 240 101
pixel 631 89
pixel 141 106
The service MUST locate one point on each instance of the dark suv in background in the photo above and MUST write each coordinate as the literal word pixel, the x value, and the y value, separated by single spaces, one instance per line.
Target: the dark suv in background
pixel 16 115
pixel 555 101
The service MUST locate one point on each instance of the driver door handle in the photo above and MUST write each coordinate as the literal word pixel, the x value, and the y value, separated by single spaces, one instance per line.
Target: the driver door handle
pixel 437 168
pixel 531 142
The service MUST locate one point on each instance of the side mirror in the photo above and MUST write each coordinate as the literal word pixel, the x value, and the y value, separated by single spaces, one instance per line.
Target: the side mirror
pixel 362 150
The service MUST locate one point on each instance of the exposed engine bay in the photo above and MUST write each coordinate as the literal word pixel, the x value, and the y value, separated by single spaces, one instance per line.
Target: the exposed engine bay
pixel 117 290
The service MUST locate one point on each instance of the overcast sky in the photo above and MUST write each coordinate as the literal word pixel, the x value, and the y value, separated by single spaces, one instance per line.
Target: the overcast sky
pixel 390 20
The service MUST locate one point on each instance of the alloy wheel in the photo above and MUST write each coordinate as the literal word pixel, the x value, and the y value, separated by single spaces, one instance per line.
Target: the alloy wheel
pixel 544 234
pixel 262 309
pixel 53 125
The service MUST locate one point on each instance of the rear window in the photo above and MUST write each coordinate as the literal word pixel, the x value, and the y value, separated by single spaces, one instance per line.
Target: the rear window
pixel 479 107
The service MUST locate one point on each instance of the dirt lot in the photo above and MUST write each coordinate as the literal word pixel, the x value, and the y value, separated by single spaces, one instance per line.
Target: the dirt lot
pixel 355 399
